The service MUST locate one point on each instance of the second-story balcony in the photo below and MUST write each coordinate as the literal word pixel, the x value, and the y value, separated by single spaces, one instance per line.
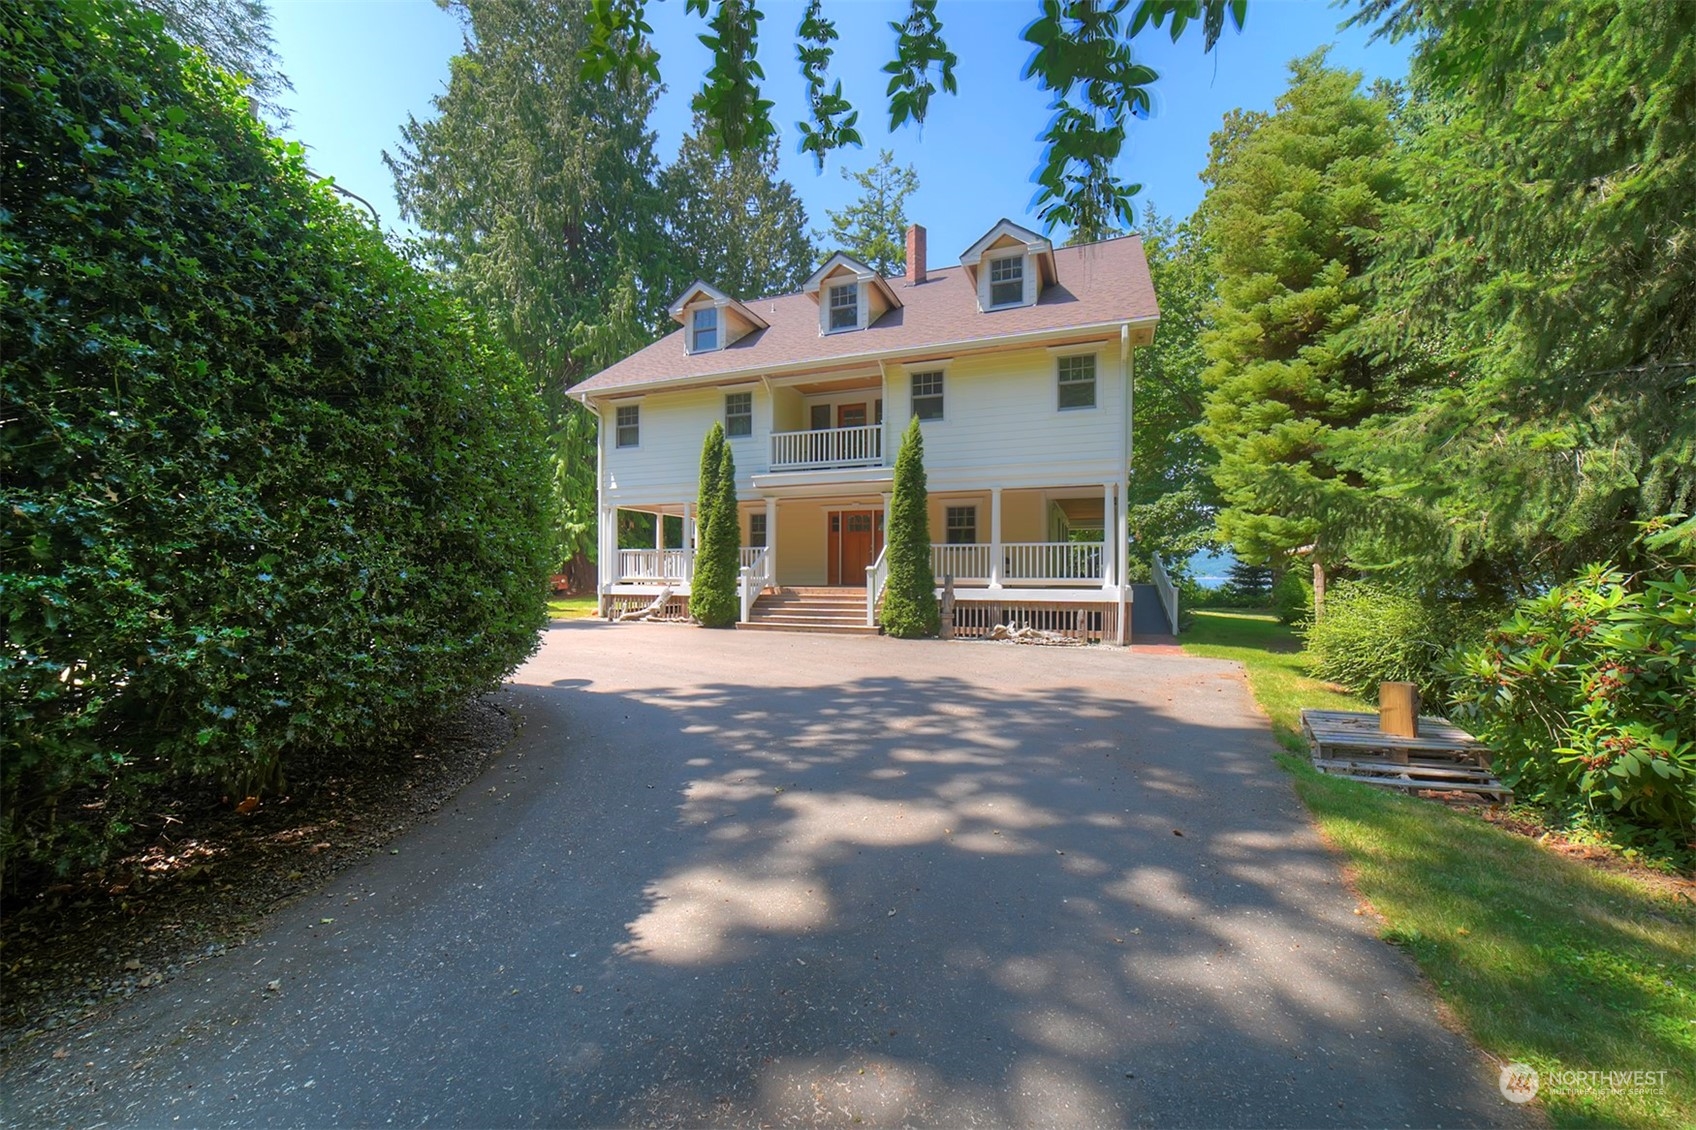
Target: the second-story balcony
pixel 827 448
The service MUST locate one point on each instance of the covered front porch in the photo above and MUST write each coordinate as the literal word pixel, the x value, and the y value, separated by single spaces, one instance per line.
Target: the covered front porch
pixel 1011 549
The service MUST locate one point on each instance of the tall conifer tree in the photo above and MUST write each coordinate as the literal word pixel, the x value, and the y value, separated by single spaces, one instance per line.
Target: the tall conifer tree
pixel 1294 201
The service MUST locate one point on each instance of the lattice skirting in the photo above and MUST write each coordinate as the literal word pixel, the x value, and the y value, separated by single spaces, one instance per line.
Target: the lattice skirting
pixel 1092 623
pixel 675 610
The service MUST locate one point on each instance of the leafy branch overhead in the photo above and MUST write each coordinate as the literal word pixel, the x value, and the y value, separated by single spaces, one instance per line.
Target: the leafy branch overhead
pixel 918 47
pixel 833 119
pixel 1083 55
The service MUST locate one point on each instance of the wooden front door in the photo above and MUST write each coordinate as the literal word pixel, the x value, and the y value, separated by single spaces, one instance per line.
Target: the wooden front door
pixel 856 538
pixel 850 415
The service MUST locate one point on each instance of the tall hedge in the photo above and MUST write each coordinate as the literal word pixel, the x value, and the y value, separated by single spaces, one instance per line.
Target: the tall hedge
pixel 266 488
pixel 909 598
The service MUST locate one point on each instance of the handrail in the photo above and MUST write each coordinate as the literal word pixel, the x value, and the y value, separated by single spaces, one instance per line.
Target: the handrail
pixel 1167 592
pixel 877 575
pixel 751 578
pixel 754 556
pixel 859 446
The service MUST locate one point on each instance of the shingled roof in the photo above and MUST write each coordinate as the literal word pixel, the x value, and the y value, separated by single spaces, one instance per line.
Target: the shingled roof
pixel 1097 285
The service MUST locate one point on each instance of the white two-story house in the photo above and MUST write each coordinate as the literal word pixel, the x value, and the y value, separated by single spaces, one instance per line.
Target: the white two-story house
pixel 1017 360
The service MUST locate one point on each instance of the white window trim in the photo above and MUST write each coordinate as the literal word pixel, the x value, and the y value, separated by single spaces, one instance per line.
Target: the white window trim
pixel 739 392
pixel 829 293
pixel 977 509
pixel 989 262
pixel 637 446
pixel 718 328
pixel 942 419
pixel 1095 381
pixel 986 289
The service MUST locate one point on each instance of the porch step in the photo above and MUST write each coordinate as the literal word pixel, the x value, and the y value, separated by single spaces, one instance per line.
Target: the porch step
pixel 835 610
pixel 859 629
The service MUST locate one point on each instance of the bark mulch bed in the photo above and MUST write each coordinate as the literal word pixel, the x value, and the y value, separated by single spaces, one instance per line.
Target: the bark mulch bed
pixel 211 874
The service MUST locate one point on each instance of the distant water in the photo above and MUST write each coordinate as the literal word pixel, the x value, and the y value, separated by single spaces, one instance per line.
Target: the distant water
pixel 1212 570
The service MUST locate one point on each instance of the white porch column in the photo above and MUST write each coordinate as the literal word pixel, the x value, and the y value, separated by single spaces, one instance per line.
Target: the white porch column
pixel 659 530
pixel 1122 541
pixel 608 573
pixel 771 540
pixel 886 519
pixel 994 537
pixel 1109 558
pixel 688 544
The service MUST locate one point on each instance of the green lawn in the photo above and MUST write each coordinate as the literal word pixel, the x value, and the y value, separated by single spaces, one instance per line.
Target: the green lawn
pixel 1546 961
pixel 571 607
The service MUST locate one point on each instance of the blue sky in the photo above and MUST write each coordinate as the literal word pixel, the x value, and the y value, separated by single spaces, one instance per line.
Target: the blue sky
pixel 359 67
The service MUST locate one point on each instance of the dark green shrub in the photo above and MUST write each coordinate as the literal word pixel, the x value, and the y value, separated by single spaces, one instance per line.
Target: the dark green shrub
pixel 266 489
pixel 706 493
pixel 910 608
pixel 713 597
pixel 1374 632
pixel 1292 596
pixel 1588 696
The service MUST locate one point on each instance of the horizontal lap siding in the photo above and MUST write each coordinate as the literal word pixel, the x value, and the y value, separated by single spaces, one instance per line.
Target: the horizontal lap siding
pixel 665 468
pixel 1002 422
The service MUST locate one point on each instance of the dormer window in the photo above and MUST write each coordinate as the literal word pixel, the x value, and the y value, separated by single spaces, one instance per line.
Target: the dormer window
pixel 704 330
pixel 1009 266
pixel 1007 281
pixel 711 319
pixel 844 306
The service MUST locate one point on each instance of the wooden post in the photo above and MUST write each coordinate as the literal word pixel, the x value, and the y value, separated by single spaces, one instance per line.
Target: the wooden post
pixel 947 632
pixel 1398 709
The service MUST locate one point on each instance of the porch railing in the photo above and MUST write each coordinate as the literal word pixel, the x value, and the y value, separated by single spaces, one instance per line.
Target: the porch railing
pixel 1168 593
pixel 827 447
pixel 963 562
pixel 1048 562
pixel 655 565
pixel 877 575
pixel 679 564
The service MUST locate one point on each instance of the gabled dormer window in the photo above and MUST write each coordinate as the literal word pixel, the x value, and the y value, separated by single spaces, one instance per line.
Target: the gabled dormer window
pixel 844 306
pixel 1007 281
pixel 703 330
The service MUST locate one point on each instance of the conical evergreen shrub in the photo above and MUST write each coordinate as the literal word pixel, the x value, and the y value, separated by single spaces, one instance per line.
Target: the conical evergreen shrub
pixel 713 599
pixel 712 453
pixel 909 601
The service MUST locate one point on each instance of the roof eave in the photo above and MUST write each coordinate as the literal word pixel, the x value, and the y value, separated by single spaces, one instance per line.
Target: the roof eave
pixel 1031 337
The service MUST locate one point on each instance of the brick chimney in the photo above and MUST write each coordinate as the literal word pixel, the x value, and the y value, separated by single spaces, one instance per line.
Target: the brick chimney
pixel 915 255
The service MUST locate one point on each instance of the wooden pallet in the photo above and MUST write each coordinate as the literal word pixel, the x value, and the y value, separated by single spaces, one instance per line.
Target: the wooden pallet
pixel 1443 758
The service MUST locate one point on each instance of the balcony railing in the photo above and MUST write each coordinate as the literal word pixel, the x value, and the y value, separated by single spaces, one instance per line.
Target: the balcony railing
pixel 1022 563
pixel 827 448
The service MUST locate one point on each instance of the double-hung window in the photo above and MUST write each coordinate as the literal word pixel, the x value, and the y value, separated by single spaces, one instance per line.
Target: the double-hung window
pixel 927 396
pixel 1007 281
pixel 629 425
pixel 705 329
pixel 845 306
pixel 738 414
pixel 962 522
pixel 757 530
pixel 1077 381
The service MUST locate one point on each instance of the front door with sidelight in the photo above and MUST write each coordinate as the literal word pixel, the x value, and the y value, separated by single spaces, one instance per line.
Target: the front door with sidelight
pixel 856 538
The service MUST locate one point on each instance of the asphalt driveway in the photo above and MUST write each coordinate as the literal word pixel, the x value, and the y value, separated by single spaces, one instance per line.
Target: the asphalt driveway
pixel 750 878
